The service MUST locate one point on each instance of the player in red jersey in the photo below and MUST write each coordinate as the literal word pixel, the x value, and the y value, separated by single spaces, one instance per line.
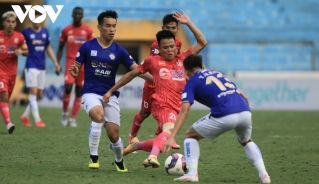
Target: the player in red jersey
pixel 169 79
pixel 12 44
pixel 169 24
pixel 73 36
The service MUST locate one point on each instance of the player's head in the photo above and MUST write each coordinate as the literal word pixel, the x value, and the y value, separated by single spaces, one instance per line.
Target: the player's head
pixel 107 22
pixel 77 14
pixel 9 21
pixel 166 44
pixel 170 23
pixel 193 63
pixel 37 26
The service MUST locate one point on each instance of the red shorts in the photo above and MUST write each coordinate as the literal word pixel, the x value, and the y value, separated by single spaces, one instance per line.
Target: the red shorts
pixel 147 100
pixel 69 79
pixel 163 114
pixel 7 84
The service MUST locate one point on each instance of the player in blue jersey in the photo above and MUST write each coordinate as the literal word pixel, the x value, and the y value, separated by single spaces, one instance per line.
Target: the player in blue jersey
pixel 101 58
pixel 38 41
pixel 229 110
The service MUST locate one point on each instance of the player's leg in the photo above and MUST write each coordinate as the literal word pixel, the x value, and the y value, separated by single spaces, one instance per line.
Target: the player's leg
pixel 94 107
pixel 252 151
pixel 112 127
pixel 6 88
pixel 24 118
pixel 143 113
pixel 69 80
pixel 77 101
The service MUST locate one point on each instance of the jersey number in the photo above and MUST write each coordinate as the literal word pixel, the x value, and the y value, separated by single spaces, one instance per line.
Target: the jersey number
pixel 219 84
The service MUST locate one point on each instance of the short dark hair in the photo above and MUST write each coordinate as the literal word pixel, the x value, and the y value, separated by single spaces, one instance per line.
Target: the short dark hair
pixel 77 8
pixel 169 18
pixel 106 14
pixel 164 34
pixel 193 61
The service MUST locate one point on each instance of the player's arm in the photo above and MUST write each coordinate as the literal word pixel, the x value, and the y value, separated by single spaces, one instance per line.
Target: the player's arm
pixel 123 81
pixel 53 59
pixel 60 51
pixel 22 50
pixel 181 119
pixel 243 95
pixel 146 76
pixel 201 41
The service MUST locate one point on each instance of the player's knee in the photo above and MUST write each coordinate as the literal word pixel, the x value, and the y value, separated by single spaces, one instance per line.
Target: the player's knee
pixel 191 133
pixel 68 88
pixel 78 91
pixel 244 142
pixel 144 114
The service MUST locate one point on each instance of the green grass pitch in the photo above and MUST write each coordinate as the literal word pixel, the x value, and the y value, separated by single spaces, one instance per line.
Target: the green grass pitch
pixel 288 140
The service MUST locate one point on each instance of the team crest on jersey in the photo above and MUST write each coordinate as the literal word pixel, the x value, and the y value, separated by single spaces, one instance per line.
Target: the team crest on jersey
pixel 112 56
pixel 44 35
pixel 93 52
pixel 1 40
pixel 164 73
pixel 83 32
pixel 179 63
pixel 32 36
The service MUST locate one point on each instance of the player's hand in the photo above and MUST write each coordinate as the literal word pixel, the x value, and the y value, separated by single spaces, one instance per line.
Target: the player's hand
pixel 58 69
pixel 181 17
pixel 74 70
pixel 106 97
pixel 168 144
pixel 18 52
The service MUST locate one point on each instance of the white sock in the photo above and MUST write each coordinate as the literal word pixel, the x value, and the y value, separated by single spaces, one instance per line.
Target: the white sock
pixel 254 155
pixel 27 111
pixel 94 137
pixel 191 152
pixel 117 148
pixel 34 107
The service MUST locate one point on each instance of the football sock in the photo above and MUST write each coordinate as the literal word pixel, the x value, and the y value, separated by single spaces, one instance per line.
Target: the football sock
pixel 191 152
pixel 254 155
pixel 76 107
pixel 159 143
pixel 27 111
pixel 5 112
pixel 66 101
pixel 136 124
pixel 34 107
pixel 117 148
pixel 145 145
pixel 94 137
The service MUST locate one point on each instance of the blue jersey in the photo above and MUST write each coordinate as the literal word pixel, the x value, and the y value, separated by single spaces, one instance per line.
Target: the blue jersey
pixel 100 65
pixel 218 93
pixel 37 43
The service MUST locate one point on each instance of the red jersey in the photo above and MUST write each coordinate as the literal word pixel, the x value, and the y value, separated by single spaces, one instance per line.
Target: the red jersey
pixel 74 37
pixel 169 79
pixel 8 59
pixel 154 51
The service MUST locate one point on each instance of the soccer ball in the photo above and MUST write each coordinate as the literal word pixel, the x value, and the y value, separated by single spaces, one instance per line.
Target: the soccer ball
pixel 175 164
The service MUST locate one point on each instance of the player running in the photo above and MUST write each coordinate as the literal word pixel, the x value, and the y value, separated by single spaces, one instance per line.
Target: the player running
pixel 229 110
pixel 169 79
pixel 73 36
pixel 12 44
pixel 38 41
pixel 170 24
pixel 101 58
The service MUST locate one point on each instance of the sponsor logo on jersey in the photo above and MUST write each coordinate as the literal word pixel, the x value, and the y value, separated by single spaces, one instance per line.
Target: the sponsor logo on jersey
pixel 178 75
pixel 164 73
pixel 93 52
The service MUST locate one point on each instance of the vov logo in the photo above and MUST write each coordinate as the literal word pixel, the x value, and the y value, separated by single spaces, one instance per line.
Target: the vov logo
pixel 44 10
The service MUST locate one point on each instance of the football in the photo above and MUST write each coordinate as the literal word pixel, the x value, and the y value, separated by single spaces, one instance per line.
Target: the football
pixel 175 164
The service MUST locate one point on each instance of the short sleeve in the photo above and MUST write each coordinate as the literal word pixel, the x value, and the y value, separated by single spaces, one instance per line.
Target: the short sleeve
pixel 126 59
pixel 188 93
pixel 63 35
pixel 145 65
pixel 81 55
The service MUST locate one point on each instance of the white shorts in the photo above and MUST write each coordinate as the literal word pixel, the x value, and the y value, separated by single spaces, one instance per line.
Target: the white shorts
pixel 111 109
pixel 34 78
pixel 210 127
